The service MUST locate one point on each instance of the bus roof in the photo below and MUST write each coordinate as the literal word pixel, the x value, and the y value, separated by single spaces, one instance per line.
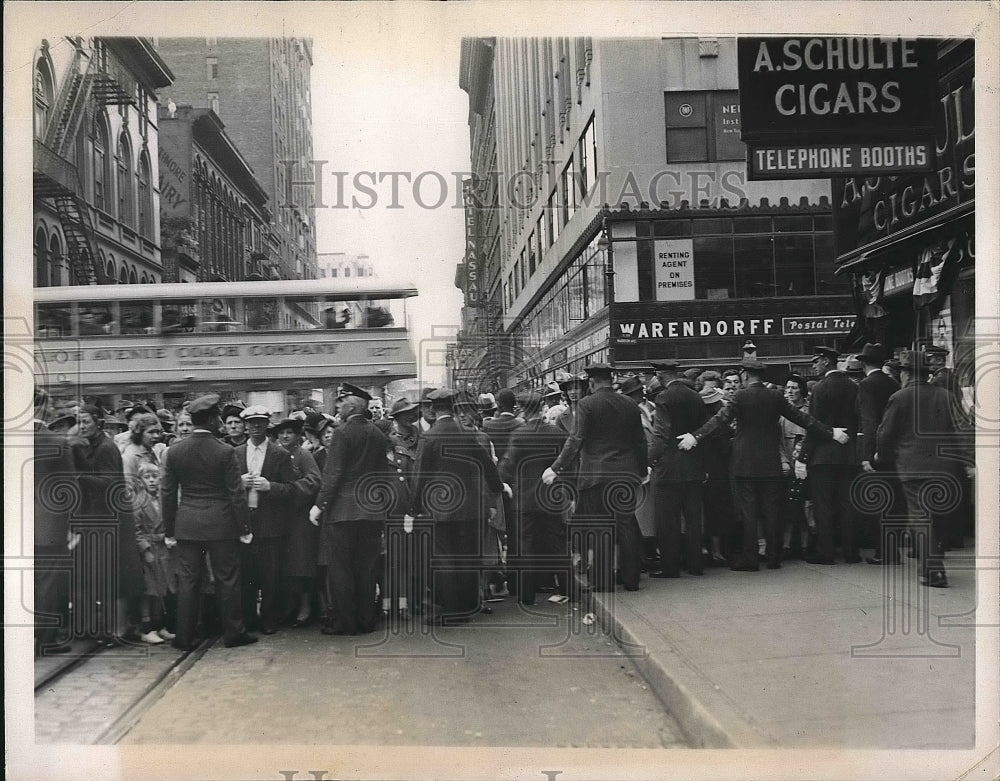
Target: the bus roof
pixel 304 288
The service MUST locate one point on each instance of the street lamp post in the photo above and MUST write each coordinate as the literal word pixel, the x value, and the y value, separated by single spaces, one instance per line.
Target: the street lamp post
pixel 604 244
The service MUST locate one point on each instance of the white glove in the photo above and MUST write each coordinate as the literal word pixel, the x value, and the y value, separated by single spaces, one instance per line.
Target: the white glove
pixel 508 491
pixel 867 466
pixel 649 473
pixel 408 524
pixel 246 539
pixel 73 539
pixel 314 515
pixel 840 434
pixel 170 542
pixel 687 441
pixel 800 470
pixel 548 476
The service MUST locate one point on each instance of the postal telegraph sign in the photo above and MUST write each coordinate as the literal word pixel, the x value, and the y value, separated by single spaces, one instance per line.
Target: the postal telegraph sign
pixel 819 107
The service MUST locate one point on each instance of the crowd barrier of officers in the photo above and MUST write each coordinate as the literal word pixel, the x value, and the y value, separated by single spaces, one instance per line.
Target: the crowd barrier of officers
pixel 227 521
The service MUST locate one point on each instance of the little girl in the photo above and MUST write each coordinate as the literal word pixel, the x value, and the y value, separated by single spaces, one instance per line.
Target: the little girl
pixel 156 560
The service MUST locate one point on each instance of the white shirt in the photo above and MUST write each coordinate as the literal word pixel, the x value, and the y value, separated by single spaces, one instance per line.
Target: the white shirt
pixel 255 456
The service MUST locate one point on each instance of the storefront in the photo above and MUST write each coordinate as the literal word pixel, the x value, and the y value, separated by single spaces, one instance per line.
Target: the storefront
pixel 908 242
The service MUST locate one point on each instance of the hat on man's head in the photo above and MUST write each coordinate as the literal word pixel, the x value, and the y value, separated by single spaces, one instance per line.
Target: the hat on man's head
pixel 936 349
pixel 487 402
pixel 61 418
pixel 710 395
pixel 298 415
pixel 893 363
pixel 203 403
pixel 313 419
pixel 166 417
pixel 552 390
pixel 425 394
pixel 872 353
pixel 631 385
pixel 565 378
pixel 347 389
pixel 233 408
pixel 666 365
pixel 914 360
pixel 442 394
pixel 654 387
pixel 753 365
pixel 256 412
pixel 854 365
pixel 827 352
pixel 599 369
pixel 139 407
pixel 402 405
pixel 296 424
pixel 748 345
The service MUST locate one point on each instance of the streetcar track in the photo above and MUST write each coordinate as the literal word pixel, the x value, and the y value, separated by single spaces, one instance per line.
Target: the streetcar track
pixel 121 726
pixel 70 663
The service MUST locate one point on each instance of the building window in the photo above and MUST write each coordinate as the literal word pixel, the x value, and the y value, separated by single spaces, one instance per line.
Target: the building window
pixel 126 195
pixel 213 101
pixel 211 68
pixel 101 173
pixel 42 265
pixel 43 94
pixel 588 158
pixel 55 262
pixel 703 126
pixel 145 198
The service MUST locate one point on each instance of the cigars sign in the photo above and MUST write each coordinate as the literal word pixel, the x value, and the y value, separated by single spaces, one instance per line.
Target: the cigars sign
pixel 819 107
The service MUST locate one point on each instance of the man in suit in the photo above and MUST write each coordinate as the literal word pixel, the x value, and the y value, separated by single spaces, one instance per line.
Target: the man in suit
pixel 874 391
pixel 678 475
pixel 209 517
pixel 55 479
pixel 354 499
pixel 832 469
pixel 269 478
pixel 449 472
pixel 611 444
pixel 918 438
pixel 532 447
pixel 499 430
pixel 756 460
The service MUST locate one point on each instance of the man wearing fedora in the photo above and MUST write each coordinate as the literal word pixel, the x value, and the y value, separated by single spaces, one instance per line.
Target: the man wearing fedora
pixel 832 468
pixel 351 509
pixel 404 435
pixel 918 438
pixel 609 440
pixel 874 391
pixel 268 477
pixel 205 511
pixel 756 460
pixel 499 430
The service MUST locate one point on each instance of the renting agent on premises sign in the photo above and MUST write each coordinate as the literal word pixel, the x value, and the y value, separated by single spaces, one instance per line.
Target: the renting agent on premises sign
pixel 816 107
pixel 673 263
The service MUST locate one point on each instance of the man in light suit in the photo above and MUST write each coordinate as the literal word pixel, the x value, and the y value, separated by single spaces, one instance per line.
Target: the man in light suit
pixel 269 477
pixel 354 499
pixel 611 444
pixel 449 472
pixel 210 517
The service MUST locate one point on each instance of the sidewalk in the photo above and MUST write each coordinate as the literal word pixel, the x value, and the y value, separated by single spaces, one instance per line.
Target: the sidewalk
pixel 853 656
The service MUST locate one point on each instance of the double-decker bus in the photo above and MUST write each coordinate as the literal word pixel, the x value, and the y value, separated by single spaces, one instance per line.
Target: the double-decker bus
pixel 169 340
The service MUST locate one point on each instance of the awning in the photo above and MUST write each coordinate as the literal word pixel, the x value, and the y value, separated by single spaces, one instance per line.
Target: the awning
pixel 908 240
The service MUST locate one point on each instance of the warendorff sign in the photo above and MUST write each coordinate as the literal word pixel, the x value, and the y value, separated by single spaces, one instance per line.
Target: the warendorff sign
pixel 836 106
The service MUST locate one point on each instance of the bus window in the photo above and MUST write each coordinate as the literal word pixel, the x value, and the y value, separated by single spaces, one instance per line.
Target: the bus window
pixel 378 317
pixel 178 317
pixel 261 314
pixel 52 321
pixel 336 317
pixel 137 317
pixel 94 319
pixel 217 315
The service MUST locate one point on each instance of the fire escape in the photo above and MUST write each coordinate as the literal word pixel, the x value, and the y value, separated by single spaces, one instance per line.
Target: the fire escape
pixel 100 77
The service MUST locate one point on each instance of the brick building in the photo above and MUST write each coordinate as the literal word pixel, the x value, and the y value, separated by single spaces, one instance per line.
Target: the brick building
pixel 260 88
pixel 95 172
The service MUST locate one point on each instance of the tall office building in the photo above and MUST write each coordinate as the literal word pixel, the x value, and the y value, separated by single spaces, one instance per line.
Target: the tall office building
pixel 260 88
pixel 600 160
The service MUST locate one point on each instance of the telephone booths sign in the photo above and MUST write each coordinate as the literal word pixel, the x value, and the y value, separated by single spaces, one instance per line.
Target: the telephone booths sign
pixel 834 106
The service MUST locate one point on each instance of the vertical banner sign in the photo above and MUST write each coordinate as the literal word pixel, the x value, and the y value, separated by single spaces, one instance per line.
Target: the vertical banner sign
pixel 673 267
pixel 471 246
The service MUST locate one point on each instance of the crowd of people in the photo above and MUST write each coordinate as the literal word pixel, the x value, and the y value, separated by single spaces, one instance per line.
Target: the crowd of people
pixel 227 520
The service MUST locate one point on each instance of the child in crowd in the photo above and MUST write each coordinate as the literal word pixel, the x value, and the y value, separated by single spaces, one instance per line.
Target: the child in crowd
pixel 157 566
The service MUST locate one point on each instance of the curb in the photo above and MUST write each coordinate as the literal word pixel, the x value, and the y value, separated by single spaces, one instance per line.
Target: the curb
pixel 707 718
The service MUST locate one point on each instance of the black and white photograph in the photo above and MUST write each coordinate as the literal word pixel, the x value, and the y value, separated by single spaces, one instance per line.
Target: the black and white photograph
pixel 501 390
